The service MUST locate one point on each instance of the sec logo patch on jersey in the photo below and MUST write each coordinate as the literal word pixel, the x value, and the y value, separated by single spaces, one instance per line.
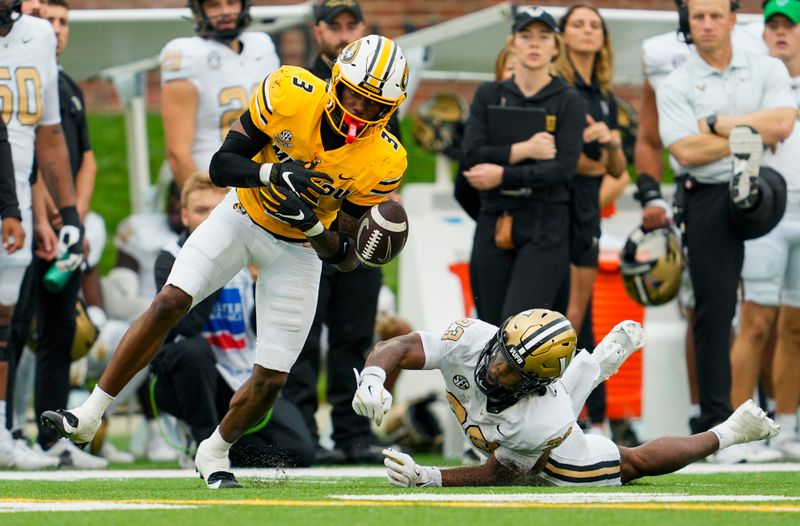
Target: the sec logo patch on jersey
pixel 382 233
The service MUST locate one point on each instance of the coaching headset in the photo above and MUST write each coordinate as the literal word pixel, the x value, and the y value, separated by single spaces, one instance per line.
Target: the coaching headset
pixel 683 18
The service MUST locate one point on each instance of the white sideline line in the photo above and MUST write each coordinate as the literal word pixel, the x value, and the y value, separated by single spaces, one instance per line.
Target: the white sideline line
pixel 89 505
pixel 327 473
pixel 563 498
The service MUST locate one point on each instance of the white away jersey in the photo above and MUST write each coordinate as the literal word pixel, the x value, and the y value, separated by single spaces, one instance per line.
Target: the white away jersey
pixel 522 431
pixel 28 92
pixel 142 236
pixel 224 81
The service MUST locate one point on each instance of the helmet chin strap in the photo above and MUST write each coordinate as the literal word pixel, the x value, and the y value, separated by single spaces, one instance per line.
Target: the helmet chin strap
pixel 353 127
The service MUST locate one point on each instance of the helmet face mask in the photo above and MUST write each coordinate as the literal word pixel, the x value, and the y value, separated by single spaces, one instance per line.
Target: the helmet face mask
pixel 439 123
pixel 372 67
pixel 530 351
pixel 205 26
pixel 10 11
pixel 651 265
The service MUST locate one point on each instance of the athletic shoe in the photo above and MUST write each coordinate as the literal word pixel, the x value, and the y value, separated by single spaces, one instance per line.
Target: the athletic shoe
pixel 31 458
pixel 214 468
pixel 112 454
pixel 622 341
pixel 6 448
pixel 788 446
pixel 747 424
pixel 761 453
pixel 158 449
pixel 747 148
pixel 67 424
pixel 70 456
pixel 749 453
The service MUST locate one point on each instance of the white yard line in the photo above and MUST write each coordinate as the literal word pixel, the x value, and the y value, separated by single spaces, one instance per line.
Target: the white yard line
pixel 89 505
pixel 563 498
pixel 326 473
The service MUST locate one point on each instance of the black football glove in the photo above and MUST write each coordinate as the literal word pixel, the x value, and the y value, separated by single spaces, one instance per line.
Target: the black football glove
pixel 302 181
pixel 69 250
pixel 285 206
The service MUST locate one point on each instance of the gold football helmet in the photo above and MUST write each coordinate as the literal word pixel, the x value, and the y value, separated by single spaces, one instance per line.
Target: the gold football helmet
pixel 86 332
pixel 651 265
pixel 439 123
pixel 537 345
pixel 373 67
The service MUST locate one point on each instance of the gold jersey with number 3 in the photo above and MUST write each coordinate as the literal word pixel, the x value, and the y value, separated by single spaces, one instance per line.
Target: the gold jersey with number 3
pixel 289 106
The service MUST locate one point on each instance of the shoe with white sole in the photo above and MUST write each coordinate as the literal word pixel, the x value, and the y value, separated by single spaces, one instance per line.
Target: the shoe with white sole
pixel 70 456
pixel 788 446
pixel 747 424
pixel 214 468
pixel 612 351
pixel 71 424
pixel 6 448
pixel 747 148
pixel 31 458
pixel 112 454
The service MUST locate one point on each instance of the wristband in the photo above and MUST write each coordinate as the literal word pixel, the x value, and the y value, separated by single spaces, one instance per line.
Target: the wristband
pixel 69 215
pixel 264 172
pixel 315 230
pixel 374 370
pixel 648 189
pixel 341 252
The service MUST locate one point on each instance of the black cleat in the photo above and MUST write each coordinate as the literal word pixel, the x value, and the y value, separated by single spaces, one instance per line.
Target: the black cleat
pixel 222 480
pixel 63 423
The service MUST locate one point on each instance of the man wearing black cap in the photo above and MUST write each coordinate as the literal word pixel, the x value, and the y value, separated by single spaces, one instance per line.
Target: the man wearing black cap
pixel 348 301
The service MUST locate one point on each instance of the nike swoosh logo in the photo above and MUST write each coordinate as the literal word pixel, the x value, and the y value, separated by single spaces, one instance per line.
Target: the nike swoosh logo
pixel 343 178
pixel 498 430
pixel 298 216
pixel 369 388
pixel 288 181
pixel 26 40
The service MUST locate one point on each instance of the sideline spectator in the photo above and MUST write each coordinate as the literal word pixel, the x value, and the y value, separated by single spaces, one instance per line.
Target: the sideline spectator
pixel 771 271
pixel 520 254
pixel 745 98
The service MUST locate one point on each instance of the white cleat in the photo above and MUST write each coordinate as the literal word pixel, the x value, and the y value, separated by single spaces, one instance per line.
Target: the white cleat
pixel 622 341
pixel 70 424
pixel 70 456
pixel 6 448
pixel 112 454
pixel 31 458
pixel 748 423
pixel 214 468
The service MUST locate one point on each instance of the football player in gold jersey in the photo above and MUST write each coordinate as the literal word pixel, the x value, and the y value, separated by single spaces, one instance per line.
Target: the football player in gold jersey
pixel 304 157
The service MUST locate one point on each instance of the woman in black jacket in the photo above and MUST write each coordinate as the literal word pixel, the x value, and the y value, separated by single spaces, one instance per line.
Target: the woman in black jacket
pixel 520 254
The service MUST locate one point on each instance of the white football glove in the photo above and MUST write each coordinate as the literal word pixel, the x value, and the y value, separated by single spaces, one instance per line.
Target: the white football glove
pixel 371 399
pixel 403 472
pixel 623 340
pixel 69 250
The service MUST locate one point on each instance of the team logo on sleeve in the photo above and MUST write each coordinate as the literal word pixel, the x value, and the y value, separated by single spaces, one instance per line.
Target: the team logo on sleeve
pixel 284 138
pixel 461 382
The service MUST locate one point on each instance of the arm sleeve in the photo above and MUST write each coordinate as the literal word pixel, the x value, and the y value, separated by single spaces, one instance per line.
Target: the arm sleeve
pixel 540 175
pixel 432 345
pixel 519 463
pixel 476 132
pixel 676 118
pixel 466 195
pixel 9 206
pixel 578 380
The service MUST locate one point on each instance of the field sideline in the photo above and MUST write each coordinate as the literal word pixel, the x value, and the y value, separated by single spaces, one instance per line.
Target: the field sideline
pixel 711 494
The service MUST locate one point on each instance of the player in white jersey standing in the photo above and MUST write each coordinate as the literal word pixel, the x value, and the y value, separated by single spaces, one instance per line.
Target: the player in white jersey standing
pixel 207 81
pixel 29 107
pixel 771 271
pixel 506 388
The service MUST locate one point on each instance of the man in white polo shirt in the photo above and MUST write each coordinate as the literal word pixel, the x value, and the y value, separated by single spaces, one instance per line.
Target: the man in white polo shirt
pixel 714 112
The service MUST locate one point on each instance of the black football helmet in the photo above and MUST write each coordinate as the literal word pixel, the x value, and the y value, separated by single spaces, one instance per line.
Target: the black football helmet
pixel 651 264
pixel 10 11
pixel 206 29
pixel 537 344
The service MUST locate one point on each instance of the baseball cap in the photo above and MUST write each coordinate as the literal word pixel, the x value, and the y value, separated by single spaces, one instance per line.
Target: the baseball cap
pixel 528 15
pixel 788 8
pixel 328 10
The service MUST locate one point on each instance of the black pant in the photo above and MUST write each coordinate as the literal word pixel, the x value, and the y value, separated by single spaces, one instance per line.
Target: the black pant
pixel 596 402
pixel 716 254
pixel 55 330
pixel 533 275
pixel 347 304
pixel 189 387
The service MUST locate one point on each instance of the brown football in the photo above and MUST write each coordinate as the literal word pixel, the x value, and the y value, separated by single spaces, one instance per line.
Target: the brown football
pixel 382 233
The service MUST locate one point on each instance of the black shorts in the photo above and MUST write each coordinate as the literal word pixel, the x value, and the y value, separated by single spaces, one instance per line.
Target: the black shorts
pixel 584 224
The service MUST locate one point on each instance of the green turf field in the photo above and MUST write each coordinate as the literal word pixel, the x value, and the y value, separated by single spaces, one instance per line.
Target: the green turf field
pixel 725 499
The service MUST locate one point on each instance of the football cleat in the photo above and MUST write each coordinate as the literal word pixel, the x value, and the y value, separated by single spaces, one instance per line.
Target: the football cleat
pixel 70 456
pixel 747 148
pixel 67 425
pixel 612 351
pixel 214 468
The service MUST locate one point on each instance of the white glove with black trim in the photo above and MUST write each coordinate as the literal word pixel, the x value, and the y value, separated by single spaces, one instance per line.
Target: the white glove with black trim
pixel 371 399
pixel 69 249
pixel 403 472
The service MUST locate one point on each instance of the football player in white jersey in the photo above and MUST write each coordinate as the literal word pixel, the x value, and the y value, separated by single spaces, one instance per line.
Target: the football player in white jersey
pixel 517 390
pixel 207 81
pixel 30 110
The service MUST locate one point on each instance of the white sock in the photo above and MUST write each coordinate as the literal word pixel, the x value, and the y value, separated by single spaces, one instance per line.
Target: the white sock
pixel 217 443
pixel 724 435
pixel 96 404
pixel 788 423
